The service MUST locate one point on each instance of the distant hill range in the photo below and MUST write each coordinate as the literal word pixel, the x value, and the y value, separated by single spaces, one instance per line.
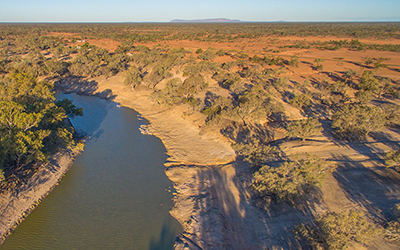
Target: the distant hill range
pixel 212 20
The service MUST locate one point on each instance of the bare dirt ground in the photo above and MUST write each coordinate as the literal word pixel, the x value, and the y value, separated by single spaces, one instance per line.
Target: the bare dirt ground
pixel 213 201
pixel 104 43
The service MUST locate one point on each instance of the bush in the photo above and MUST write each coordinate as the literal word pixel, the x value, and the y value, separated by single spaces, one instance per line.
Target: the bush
pixel 255 152
pixel 133 77
pixel 291 180
pixel 304 128
pixel 392 232
pixel 170 95
pixel 2 177
pixel 392 159
pixel 392 114
pixel 300 101
pixel 294 61
pixel 338 230
pixel 364 96
pixel 392 229
pixel 354 122
pixel 318 64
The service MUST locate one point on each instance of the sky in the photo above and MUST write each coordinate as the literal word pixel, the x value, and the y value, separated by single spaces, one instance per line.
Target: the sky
pixel 165 11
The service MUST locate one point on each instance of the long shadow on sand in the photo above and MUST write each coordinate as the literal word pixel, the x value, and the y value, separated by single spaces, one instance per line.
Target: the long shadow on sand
pixel 83 87
pixel 235 220
pixel 376 189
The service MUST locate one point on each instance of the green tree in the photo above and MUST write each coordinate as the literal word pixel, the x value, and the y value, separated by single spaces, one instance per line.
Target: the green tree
pixel 392 228
pixel 28 147
pixel 300 101
pixel 69 108
pixel 291 180
pixel 392 159
pixel 29 124
pixel 255 152
pixel 251 104
pixel 353 122
pixel 192 85
pixel 304 128
pixel 349 76
pixel 318 64
pixel 170 95
pixel 13 118
pixel 368 81
pixel 133 77
pixel 336 231
pixel 294 61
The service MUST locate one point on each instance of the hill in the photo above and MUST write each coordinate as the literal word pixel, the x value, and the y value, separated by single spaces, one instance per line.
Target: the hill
pixel 211 20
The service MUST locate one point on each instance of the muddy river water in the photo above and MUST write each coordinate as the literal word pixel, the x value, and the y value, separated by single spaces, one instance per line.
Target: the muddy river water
pixel 115 196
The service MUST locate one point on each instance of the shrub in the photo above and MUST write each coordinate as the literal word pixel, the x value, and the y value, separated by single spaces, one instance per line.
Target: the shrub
pixel 338 230
pixel 392 159
pixel 170 95
pixel 364 96
pixel 133 77
pixel 304 128
pixel 392 232
pixel 255 152
pixel 2 177
pixel 392 114
pixel 291 180
pixel 300 101
pixel 392 229
pixel 294 61
pixel 318 64
pixel 354 122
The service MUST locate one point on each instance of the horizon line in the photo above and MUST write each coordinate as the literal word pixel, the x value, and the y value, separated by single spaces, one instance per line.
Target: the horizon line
pixel 198 22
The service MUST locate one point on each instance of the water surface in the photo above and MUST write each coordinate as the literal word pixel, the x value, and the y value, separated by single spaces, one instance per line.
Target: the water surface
pixel 115 196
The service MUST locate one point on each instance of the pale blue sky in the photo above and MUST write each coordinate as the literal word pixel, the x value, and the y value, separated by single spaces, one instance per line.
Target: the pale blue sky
pixel 164 11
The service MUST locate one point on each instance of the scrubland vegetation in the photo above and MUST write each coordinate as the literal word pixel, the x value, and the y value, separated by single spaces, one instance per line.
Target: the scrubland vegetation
pixel 248 96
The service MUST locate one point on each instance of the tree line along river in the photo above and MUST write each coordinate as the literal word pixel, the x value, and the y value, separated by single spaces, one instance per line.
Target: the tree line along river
pixel 116 194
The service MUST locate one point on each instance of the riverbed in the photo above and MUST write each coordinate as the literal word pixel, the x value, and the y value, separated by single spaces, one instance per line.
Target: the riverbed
pixel 115 196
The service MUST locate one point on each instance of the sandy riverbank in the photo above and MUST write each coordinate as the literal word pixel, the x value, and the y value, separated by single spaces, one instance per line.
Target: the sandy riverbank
pixel 208 202
pixel 213 201
pixel 16 205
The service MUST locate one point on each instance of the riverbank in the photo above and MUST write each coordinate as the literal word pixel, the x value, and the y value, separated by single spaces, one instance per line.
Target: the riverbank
pixel 212 199
pixel 17 205
pixel 201 164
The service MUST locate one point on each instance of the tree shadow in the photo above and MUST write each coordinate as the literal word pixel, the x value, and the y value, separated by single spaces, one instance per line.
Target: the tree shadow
pixel 238 219
pixel 221 216
pixel 83 87
pixel 359 64
pixel 210 98
pixel 94 113
pixel 394 69
pixel 386 139
pixel 333 76
pixel 165 240
pixel 376 189
pixel 245 134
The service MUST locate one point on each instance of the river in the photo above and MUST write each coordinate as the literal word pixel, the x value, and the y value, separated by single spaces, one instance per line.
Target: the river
pixel 115 196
